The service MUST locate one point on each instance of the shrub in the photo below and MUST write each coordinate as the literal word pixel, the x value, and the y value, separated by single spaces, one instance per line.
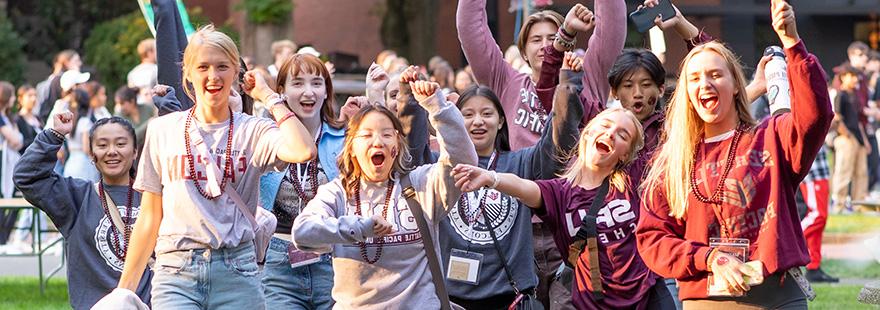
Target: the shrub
pixel 266 11
pixel 112 48
pixel 11 51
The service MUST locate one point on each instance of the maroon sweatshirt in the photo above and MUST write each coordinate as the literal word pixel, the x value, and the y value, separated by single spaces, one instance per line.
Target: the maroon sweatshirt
pixel 653 126
pixel 626 279
pixel 771 160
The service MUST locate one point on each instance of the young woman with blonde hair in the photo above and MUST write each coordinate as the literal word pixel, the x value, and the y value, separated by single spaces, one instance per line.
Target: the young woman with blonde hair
pixel 720 191
pixel 195 162
pixel 610 142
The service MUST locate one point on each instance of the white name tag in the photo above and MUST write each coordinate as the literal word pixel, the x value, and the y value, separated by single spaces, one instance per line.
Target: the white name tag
pixel 464 266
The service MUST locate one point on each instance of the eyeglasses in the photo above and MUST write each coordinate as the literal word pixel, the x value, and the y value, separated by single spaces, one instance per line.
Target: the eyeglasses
pixel 386 135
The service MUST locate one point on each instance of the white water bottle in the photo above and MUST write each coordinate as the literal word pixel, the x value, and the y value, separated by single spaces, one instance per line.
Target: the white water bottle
pixel 776 74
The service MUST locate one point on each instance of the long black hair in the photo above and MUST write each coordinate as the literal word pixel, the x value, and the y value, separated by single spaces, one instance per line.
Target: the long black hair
pixel 128 128
pixel 502 142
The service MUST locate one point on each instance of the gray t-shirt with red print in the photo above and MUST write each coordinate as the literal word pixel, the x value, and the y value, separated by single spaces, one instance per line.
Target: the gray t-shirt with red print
pixel 189 220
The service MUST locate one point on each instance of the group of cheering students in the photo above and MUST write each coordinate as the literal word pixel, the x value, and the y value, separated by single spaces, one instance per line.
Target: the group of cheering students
pixel 622 198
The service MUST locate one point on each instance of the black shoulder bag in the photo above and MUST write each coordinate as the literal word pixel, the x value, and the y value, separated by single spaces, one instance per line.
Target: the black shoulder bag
pixel 587 238
pixel 523 301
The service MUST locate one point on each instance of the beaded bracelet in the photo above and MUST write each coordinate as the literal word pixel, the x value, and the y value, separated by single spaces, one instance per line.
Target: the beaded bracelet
pixel 565 35
pixel 285 118
pixel 566 44
pixel 56 134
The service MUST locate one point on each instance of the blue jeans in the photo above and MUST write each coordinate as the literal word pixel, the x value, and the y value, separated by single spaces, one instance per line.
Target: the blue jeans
pixel 304 287
pixel 225 278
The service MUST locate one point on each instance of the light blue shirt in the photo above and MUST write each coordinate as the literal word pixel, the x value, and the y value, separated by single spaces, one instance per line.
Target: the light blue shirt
pixel 329 149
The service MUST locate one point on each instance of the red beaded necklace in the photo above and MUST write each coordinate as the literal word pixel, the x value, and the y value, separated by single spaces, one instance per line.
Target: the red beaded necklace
pixel 117 248
pixel 716 200
pixel 716 194
pixel 312 174
pixel 357 211
pixel 463 204
pixel 227 170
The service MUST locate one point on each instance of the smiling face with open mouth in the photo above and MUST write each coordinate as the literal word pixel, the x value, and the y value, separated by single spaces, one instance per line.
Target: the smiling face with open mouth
pixel 483 121
pixel 638 93
pixel 375 146
pixel 114 151
pixel 212 76
pixel 306 93
pixel 608 139
pixel 711 89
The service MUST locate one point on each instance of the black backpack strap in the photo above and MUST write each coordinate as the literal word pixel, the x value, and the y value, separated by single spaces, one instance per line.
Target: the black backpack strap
pixel 586 238
pixel 433 262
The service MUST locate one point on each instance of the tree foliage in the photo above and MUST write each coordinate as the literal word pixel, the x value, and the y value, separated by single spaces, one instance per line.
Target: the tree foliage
pixel 266 11
pixel 11 52
pixel 112 48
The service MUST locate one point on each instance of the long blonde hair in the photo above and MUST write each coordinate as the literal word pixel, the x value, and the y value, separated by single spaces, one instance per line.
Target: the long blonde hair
pixel 671 167
pixel 619 178
pixel 349 170
pixel 207 37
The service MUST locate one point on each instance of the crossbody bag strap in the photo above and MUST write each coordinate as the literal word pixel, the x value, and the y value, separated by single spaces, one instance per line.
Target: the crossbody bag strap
pixel 115 217
pixel 241 206
pixel 587 238
pixel 433 262
pixel 498 249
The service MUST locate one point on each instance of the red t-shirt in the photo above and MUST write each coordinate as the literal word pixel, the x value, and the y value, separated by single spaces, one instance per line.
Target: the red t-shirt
pixel 626 279
pixel 771 160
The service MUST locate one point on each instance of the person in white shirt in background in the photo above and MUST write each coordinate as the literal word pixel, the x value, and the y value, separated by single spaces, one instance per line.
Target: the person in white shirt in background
pixel 281 49
pixel 146 74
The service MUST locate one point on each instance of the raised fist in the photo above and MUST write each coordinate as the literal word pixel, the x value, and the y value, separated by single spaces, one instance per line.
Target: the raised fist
pixel 424 89
pixel 579 19
pixel 351 107
pixel 571 62
pixel 411 74
pixel 64 122
pixel 784 22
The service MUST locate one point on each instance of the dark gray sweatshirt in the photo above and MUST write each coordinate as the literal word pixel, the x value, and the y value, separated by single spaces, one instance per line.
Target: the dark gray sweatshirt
pixel 74 207
pixel 510 219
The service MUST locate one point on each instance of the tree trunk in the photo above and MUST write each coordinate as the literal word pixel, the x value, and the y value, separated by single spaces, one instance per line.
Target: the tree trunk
pixel 408 28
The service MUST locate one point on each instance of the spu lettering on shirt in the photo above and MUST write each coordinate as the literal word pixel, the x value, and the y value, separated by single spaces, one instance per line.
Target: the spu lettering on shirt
pixel 615 221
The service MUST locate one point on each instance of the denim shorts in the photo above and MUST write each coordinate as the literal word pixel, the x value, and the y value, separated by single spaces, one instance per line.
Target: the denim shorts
pixel 226 278
pixel 304 287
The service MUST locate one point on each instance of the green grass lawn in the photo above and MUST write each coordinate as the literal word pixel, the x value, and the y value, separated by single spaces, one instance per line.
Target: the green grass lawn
pixel 853 223
pixel 838 296
pixel 24 293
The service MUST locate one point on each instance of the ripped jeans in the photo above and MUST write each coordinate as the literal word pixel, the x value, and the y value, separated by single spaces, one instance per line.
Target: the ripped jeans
pixel 226 278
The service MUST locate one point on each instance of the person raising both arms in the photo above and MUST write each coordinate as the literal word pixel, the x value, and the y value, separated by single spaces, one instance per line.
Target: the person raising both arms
pixel 720 191
pixel 199 173
pixel 525 113
pixel 380 257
